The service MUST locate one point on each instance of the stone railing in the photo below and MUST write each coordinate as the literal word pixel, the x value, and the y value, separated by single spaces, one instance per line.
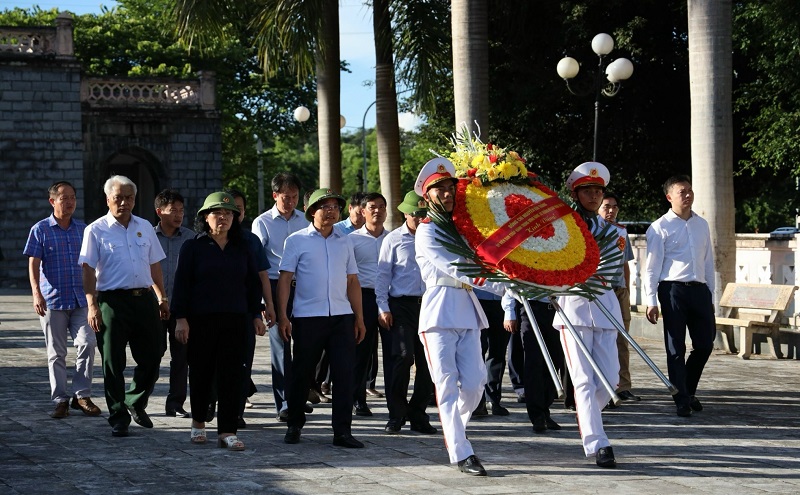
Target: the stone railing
pixel 121 92
pixel 759 260
pixel 39 41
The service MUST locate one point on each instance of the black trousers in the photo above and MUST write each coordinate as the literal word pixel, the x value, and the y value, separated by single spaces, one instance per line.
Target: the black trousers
pixel 516 361
pixel 406 350
pixel 178 368
pixel 216 350
pixel 540 391
pixel 494 343
pixel 364 348
pixel 247 388
pixel 311 335
pixel 686 306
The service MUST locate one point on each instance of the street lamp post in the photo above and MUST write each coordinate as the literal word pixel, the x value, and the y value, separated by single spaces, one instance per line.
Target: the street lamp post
pixel 364 140
pixel 617 71
pixel 364 146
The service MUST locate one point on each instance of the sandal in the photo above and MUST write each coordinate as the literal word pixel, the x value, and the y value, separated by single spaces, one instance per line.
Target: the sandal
pixel 231 442
pixel 198 435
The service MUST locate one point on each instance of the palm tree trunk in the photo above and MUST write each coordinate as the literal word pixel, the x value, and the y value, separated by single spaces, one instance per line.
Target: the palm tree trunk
pixel 387 126
pixel 470 63
pixel 710 75
pixel 328 92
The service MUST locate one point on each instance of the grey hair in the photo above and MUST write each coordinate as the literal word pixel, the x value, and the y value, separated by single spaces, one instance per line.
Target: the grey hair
pixel 120 180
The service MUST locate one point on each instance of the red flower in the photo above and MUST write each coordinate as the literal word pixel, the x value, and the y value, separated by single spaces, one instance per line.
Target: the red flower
pixel 471 172
pixel 493 158
pixel 489 146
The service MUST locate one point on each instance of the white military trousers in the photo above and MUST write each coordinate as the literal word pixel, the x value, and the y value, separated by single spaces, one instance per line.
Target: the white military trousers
pixel 590 395
pixel 459 375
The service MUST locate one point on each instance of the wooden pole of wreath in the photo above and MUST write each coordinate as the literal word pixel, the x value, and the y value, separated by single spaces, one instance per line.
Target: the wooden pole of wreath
pixel 672 389
pixel 545 353
pixel 582 346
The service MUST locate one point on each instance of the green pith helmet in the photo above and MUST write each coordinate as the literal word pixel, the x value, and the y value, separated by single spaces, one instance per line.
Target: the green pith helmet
pixel 413 204
pixel 216 201
pixel 321 195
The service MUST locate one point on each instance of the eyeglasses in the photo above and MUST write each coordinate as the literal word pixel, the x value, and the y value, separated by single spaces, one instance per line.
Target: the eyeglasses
pixel 330 207
pixel 221 213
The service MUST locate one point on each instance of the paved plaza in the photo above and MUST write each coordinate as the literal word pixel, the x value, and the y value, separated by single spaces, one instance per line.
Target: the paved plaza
pixel 745 441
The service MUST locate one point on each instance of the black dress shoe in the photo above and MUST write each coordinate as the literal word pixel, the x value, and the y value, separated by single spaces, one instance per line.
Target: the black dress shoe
pixel 347 441
pixel 498 410
pixel 611 405
pixel 292 435
pixel 540 424
pixel 628 395
pixel 569 406
pixel 393 426
pixel 177 412
pixel 423 427
pixel 119 430
pixel 684 411
pixel 551 424
pixel 695 404
pixel 241 424
pixel 212 411
pixel 472 466
pixel 308 409
pixel 521 399
pixel 361 410
pixel 480 411
pixel 605 458
pixel 283 416
pixel 140 417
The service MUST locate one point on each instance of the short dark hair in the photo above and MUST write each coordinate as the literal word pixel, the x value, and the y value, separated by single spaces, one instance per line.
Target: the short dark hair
pixel 53 190
pixel 357 198
pixel 372 197
pixel 611 195
pixel 675 179
pixel 237 194
pixel 167 197
pixel 283 180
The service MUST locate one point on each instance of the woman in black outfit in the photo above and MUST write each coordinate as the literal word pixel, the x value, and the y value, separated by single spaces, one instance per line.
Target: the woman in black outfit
pixel 216 292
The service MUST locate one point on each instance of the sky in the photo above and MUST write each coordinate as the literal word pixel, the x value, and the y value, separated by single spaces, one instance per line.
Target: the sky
pixel 357 48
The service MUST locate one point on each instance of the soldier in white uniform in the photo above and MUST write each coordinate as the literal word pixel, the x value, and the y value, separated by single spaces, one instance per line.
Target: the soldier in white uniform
pixel 451 319
pixel 587 184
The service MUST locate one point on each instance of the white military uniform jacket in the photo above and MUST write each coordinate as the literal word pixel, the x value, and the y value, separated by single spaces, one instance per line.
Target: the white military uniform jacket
pixel 582 312
pixel 442 306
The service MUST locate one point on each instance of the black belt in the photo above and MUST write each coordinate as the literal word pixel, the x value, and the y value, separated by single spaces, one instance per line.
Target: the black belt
pixel 414 299
pixel 687 284
pixel 541 303
pixel 128 292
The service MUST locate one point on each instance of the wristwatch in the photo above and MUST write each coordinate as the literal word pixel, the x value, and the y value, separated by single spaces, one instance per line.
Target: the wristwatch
pixel 163 300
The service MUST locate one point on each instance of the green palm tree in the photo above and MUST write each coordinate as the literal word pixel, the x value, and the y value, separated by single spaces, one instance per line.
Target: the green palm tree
pixel 299 35
pixel 710 75
pixel 471 63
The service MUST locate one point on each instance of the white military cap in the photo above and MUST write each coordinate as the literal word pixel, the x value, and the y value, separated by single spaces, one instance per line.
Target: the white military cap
pixel 434 171
pixel 588 174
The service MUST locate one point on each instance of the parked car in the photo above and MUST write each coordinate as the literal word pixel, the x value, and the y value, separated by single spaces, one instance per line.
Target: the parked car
pixel 783 233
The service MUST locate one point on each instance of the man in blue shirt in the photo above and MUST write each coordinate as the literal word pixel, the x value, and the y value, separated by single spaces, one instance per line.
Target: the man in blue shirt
pixel 355 219
pixel 171 235
pixel 58 298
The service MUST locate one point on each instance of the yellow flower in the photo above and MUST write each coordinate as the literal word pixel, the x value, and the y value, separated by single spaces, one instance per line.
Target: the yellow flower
pixel 506 170
pixel 491 173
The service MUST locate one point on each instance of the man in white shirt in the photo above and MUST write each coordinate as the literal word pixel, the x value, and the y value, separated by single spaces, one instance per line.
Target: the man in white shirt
pixel 121 258
pixel 366 243
pixel 679 274
pixel 326 313
pixel 273 227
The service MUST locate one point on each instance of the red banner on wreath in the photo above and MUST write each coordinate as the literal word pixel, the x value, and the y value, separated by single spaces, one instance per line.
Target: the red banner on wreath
pixel 520 227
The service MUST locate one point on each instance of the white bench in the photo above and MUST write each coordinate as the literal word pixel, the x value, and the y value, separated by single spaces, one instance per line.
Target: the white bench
pixel 754 309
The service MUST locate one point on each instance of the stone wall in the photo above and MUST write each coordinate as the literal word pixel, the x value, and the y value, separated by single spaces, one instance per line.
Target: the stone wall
pixel 40 142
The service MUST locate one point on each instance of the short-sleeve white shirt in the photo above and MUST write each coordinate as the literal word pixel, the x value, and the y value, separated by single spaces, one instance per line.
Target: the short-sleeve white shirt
pixel 320 266
pixel 273 229
pixel 366 248
pixel 121 257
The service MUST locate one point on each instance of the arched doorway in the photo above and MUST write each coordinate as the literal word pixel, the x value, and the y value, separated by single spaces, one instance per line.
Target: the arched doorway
pixel 142 168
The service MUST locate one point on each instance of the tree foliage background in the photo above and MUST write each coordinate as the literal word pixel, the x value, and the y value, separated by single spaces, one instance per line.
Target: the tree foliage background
pixel 644 130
